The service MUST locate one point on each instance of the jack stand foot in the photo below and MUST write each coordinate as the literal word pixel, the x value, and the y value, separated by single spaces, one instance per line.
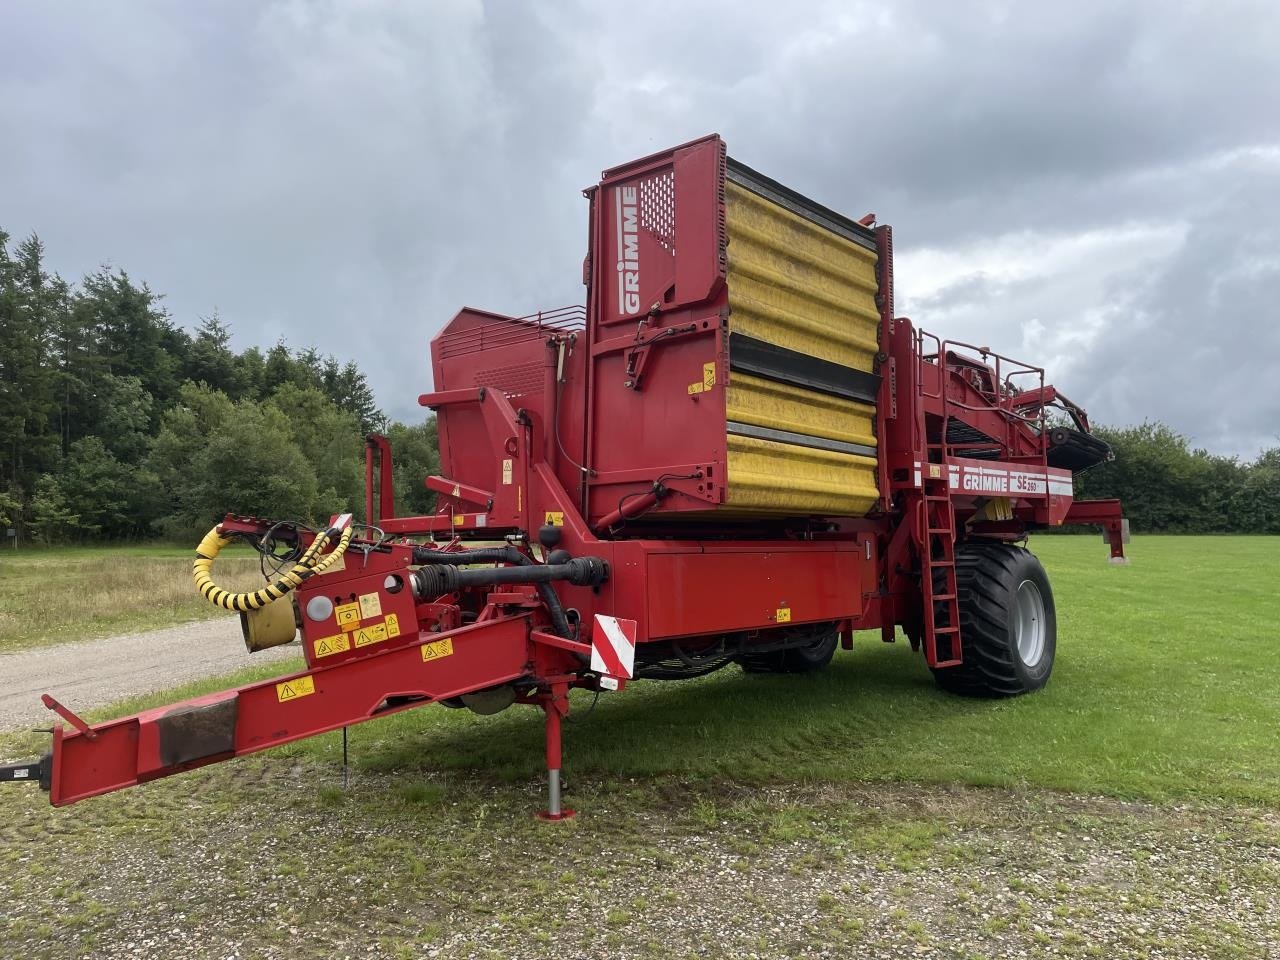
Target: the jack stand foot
pixel 554 705
pixel 554 812
pixel 1119 561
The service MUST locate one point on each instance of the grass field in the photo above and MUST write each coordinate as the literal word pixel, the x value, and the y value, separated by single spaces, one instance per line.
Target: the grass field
pixel 1166 692
pixel 73 593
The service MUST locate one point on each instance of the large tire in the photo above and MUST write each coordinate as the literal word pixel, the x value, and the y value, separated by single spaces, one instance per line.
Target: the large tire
pixel 807 658
pixel 1008 623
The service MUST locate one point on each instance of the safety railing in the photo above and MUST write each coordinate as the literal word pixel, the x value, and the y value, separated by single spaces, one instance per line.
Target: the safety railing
pixel 504 331
pixel 1008 378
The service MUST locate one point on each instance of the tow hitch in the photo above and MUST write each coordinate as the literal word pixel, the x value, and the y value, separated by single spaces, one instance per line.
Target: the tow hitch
pixel 36 771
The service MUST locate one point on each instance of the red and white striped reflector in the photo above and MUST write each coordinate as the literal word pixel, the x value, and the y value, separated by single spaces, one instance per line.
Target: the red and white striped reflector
pixel 613 647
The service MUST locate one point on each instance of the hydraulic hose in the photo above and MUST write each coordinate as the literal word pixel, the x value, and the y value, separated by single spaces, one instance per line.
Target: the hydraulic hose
pixel 307 566
pixel 580 571
pixel 437 575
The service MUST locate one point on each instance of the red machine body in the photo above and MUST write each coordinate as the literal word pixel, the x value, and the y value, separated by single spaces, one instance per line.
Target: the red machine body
pixel 614 451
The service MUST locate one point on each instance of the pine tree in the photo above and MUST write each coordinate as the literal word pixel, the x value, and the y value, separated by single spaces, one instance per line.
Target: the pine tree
pixel 29 303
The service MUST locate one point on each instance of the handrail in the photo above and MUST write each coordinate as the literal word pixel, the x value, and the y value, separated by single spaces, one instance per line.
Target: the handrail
pixel 998 366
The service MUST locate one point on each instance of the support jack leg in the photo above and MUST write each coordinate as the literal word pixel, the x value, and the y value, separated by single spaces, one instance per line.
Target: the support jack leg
pixel 555 705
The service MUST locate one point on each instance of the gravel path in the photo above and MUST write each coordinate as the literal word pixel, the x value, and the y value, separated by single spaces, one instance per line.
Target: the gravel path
pixel 94 673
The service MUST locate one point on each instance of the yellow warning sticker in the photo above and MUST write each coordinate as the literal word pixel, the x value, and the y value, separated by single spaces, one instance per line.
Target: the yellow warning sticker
pixel 348 615
pixel 328 646
pixel 555 518
pixel 506 471
pixel 293 689
pixel 783 615
pixel 708 379
pixel 437 649
pixel 370 635
pixel 393 625
pixel 370 606
pixel 458 519
pixel 935 471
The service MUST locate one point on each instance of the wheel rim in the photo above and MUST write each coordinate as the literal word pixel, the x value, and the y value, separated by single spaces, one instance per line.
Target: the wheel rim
pixel 1029 625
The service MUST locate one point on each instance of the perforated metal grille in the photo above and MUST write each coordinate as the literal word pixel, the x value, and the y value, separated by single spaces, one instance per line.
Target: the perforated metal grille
pixel 658 208
pixel 515 381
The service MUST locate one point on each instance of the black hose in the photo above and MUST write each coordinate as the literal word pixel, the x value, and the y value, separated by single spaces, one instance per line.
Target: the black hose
pixel 425 555
pixel 580 571
pixel 438 575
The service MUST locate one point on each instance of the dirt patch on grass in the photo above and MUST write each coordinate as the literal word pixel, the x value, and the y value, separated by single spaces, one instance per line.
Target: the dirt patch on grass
pixel 271 857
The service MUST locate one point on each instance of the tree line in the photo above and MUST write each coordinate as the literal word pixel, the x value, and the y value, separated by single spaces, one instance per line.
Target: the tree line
pixel 1167 485
pixel 116 423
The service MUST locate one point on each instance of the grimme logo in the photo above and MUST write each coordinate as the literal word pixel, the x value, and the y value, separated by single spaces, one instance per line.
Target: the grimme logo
pixel 628 251
pixel 985 484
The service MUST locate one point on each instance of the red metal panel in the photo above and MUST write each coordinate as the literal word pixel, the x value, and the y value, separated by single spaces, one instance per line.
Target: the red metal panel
pixel 366 618
pixel 644 360
pixel 648 211
pixel 704 593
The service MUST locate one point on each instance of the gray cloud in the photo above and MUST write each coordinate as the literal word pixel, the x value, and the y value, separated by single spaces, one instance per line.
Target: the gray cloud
pixel 1092 186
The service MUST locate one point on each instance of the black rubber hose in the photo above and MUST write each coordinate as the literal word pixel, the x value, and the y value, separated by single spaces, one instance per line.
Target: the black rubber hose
pixel 438 575
pixel 580 571
pixel 555 610
pixel 425 555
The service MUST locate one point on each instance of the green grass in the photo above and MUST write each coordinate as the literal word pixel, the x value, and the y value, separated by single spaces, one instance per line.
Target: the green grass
pixel 52 595
pixel 1167 685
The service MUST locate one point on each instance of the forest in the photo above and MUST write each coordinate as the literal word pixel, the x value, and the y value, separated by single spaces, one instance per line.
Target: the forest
pixel 116 423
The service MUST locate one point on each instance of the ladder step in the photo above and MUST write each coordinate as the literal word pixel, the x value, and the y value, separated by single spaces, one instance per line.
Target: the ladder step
pixel 942 530
pixel 946 629
pixel 948 663
pixel 943 596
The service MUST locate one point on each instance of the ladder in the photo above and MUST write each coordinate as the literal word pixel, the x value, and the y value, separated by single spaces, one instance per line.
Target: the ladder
pixel 938 554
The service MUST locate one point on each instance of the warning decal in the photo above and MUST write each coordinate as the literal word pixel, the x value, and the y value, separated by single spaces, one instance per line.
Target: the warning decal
pixel 370 606
pixel 327 646
pixel 293 689
pixel 708 379
pixel 437 649
pixel 555 518
pixel 369 635
pixel 783 615
pixel 348 615
pixel 393 625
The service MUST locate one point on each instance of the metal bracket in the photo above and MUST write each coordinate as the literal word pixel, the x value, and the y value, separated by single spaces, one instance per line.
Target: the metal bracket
pixel 66 714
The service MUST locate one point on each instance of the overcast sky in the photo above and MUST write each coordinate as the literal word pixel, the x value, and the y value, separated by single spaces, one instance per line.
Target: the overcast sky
pixel 1091 186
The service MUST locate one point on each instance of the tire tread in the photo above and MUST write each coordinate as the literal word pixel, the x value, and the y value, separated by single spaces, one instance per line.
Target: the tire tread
pixel 985 574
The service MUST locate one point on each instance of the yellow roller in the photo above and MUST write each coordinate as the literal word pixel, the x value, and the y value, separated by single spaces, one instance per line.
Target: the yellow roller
pixel 802 287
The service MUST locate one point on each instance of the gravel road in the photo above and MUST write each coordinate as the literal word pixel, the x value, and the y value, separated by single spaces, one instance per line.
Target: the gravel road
pixel 94 673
